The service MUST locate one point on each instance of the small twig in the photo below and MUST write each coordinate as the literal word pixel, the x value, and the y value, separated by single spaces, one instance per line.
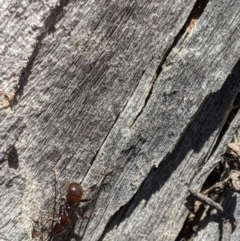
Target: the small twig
pixel 205 199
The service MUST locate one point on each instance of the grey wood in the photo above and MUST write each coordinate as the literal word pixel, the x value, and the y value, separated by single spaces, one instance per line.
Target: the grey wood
pixel 22 25
pixel 119 85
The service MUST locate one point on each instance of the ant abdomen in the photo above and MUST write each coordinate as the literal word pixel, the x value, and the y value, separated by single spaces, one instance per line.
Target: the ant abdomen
pixel 74 193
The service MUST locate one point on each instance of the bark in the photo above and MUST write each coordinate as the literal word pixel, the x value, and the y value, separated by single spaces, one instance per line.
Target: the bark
pixel 145 88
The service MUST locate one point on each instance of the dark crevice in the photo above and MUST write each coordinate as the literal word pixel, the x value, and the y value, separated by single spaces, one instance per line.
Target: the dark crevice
pixel 145 103
pixel 194 15
pixel 110 129
pixel 13 161
pixel 56 14
pixel 192 19
pixel 208 119
pixel 94 157
pixel 228 122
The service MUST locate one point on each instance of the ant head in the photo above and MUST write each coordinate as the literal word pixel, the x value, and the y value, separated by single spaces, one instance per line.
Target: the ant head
pixel 74 193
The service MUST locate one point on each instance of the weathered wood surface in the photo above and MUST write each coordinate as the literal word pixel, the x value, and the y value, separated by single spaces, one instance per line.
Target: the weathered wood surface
pixel 105 84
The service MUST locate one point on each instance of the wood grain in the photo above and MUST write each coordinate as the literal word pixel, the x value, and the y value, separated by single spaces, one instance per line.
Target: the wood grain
pixel 120 85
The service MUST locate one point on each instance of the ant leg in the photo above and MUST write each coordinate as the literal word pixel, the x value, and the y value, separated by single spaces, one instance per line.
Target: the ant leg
pixel 82 216
pixel 98 185
pixel 52 219
pixel 39 232
pixel 107 173
pixel 86 200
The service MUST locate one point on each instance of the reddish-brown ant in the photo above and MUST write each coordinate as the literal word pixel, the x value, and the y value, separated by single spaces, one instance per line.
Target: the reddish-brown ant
pixel 67 210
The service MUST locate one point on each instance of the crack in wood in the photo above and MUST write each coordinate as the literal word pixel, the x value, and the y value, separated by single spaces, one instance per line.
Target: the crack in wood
pixel 227 123
pixel 56 14
pixel 95 156
pixel 145 103
pixel 159 175
pixel 13 161
pixel 194 15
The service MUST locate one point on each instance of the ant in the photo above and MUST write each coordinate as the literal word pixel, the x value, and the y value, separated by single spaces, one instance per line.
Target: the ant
pixel 68 209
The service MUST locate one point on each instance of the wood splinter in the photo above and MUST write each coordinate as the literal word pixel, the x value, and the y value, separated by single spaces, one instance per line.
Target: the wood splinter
pixel 226 229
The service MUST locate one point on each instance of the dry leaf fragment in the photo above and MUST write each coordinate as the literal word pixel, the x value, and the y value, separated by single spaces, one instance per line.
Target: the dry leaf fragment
pixel 235 147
